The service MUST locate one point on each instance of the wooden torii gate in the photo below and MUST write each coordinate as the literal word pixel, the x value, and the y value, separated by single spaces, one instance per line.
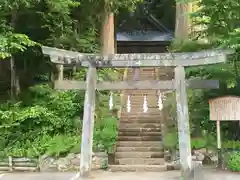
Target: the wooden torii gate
pixel 179 84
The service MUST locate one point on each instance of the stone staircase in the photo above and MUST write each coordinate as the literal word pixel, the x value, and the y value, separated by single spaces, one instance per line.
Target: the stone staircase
pixel 139 144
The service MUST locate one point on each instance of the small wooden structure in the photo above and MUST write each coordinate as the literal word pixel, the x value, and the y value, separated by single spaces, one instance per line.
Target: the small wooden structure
pixel 226 108
pixel 19 164
pixel 179 84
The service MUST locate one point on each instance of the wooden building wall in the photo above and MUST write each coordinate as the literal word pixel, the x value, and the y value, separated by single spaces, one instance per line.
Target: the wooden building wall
pixel 142 47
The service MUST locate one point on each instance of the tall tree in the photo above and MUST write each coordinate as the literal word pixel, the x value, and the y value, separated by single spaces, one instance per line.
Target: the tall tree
pixel 183 24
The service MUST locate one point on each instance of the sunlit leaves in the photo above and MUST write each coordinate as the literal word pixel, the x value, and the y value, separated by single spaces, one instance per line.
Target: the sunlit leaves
pixel 12 43
pixel 222 23
pixel 61 6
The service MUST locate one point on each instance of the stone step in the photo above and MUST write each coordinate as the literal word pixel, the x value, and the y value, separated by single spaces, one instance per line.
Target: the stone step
pixel 137 168
pixel 134 114
pixel 150 72
pixel 156 120
pixel 143 74
pixel 157 112
pixel 140 161
pixel 138 125
pixel 139 138
pixel 143 78
pixel 140 93
pixel 140 100
pixel 143 71
pixel 139 144
pixel 142 119
pixel 138 107
pixel 157 148
pixel 139 111
pixel 140 97
pixel 136 154
pixel 139 104
pixel 136 93
pixel 150 134
pixel 139 129
pixel 142 115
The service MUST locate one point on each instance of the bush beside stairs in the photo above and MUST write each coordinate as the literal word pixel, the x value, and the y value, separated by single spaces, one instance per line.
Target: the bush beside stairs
pixel 139 144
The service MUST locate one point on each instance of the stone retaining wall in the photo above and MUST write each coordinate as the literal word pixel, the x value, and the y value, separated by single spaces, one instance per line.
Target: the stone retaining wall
pixel 71 162
pixel 199 157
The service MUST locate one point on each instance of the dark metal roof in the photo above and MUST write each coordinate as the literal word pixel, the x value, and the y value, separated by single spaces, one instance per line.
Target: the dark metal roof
pixel 144 26
pixel 144 36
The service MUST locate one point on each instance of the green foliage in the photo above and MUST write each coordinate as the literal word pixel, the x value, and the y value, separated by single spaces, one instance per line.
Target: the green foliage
pixel 198 143
pixel 198 99
pixel 232 145
pixel 104 165
pixel 171 140
pixel 234 162
pixel 220 20
pixel 44 115
pixel 45 120
pixel 12 43
pixel 206 141
pixel 105 133
pixel 48 122
pixel 188 46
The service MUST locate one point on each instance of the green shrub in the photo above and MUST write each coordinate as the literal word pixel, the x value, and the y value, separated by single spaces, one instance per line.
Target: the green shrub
pixel 105 134
pixel 198 143
pixel 231 145
pixel 234 162
pixel 47 121
pixel 170 140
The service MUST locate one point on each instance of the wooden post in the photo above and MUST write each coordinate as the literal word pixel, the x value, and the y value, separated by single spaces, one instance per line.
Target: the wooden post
pixel 10 162
pixel 88 123
pixel 89 103
pixel 219 146
pixel 224 108
pixel 183 124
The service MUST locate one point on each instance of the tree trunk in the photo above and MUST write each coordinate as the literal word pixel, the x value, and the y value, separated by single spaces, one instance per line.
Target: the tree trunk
pixel 108 38
pixel 182 27
pixel 15 84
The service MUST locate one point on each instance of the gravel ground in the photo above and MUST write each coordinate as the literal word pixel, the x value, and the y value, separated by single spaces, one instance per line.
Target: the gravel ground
pixel 104 175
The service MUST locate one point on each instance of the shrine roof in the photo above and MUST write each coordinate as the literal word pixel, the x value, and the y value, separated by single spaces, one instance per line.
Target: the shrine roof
pixel 149 35
pixel 145 25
